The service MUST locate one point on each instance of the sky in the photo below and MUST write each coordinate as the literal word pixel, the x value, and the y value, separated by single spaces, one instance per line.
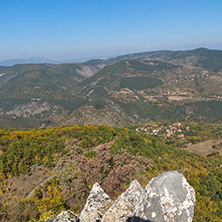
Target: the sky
pixel 66 29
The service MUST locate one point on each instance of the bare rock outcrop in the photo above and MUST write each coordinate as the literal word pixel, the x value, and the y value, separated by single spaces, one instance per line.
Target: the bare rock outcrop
pixel 168 197
pixel 97 204
pixel 124 206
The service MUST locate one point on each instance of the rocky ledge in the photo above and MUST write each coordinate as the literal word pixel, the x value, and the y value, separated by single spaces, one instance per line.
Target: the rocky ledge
pixel 166 198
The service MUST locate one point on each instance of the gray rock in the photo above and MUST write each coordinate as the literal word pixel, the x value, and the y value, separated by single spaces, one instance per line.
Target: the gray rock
pixel 168 197
pixel 98 202
pixel 66 216
pixel 124 206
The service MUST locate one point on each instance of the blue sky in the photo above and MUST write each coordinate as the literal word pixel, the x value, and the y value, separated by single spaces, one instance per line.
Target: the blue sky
pixel 62 29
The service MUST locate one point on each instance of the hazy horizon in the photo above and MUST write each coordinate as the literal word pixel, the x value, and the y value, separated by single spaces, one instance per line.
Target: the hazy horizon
pixel 100 56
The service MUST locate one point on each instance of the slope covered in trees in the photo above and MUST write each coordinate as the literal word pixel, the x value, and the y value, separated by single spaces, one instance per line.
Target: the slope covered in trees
pixel 161 85
pixel 79 156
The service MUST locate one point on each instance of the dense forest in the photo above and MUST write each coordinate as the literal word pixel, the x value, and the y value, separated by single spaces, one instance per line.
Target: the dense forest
pixel 79 156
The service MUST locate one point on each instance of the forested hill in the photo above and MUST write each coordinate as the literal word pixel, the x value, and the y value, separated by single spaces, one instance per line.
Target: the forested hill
pixel 201 57
pixel 79 156
pixel 162 85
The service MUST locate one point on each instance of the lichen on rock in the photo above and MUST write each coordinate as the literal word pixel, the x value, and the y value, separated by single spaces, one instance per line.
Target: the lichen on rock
pixel 168 197
pixel 66 216
pixel 124 206
pixel 96 205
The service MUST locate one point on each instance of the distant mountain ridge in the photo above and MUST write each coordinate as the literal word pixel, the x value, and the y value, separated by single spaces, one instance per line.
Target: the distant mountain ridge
pixel 160 85
pixel 39 60
pixel 200 57
pixel 11 62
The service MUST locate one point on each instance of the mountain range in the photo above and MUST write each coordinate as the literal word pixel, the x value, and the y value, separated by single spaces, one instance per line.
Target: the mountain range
pixel 174 94
pixel 34 60
pixel 133 88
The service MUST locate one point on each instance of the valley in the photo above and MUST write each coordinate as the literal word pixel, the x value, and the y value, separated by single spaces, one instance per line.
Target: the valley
pixel 110 111
pixel 132 88
pixel 65 127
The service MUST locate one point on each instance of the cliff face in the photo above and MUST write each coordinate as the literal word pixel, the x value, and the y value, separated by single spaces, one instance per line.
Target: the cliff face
pixel 166 198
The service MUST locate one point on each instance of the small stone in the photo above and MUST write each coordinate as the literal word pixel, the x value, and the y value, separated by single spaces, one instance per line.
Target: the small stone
pixel 153 215
pixel 66 216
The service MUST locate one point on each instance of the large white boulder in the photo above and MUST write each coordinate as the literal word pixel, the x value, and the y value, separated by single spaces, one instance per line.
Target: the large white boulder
pixel 168 197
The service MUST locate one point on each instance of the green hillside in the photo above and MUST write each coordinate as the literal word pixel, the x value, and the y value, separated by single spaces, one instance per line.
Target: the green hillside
pixel 161 85
pixel 39 93
pixel 45 81
pixel 79 156
pixel 201 57
pixel 128 74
